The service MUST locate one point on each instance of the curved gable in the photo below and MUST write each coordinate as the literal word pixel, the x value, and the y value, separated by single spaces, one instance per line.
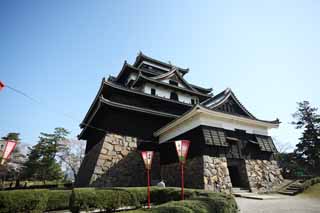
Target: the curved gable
pixel 227 102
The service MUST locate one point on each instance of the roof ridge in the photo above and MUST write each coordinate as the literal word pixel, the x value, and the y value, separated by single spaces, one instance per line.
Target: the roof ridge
pixel 141 54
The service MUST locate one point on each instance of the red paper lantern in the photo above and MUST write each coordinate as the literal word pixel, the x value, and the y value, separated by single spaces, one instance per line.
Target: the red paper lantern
pixel 182 148
pixel 147 158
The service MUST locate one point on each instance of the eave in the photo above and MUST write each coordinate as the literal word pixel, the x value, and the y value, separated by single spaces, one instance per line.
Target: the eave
pixel 103 101
pixel 137 109
pixel 122 88
pixel 205 90
pixel 210 114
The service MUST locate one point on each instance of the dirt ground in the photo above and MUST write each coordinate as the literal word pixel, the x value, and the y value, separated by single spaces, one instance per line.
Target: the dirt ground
pixel 285 204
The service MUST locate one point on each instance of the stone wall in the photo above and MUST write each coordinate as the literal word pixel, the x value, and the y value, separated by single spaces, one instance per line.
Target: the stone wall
pixel 202 172
pixel 115 161
pixel 216 174
pixel 193 174
pixel 88 165
pixel 263 175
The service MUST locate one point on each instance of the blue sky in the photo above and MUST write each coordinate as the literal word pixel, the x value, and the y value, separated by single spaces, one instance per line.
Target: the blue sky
pixel 58 52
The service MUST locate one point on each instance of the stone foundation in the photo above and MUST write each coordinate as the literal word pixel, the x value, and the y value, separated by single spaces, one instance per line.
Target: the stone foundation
pixel 263 175
pixel 202 172
pixel 114 161
pixel 87 166
pixel 193 175
pixel 216 174
pixel 211 173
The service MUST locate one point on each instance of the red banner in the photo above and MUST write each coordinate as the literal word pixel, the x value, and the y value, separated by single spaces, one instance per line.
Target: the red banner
pixel 10 145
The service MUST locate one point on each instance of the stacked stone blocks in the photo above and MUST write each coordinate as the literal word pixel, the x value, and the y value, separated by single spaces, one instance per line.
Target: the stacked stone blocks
pixel 115 161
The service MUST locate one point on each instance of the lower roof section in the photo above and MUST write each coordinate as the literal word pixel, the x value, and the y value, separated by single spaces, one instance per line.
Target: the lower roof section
pixel 124 119
pixel 202 116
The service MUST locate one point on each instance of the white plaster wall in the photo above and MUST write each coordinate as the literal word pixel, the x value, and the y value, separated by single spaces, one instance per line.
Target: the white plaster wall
pixel 165 93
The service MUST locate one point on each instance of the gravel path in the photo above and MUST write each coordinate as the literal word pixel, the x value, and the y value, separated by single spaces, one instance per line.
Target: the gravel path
pixel 286 204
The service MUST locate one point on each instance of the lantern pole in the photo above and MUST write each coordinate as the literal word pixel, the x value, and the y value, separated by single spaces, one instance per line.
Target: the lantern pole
pixel 148 175
pixel 182 181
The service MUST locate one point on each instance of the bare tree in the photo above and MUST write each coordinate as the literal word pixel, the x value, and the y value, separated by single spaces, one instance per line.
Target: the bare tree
pixel 282 146
pixel 71 154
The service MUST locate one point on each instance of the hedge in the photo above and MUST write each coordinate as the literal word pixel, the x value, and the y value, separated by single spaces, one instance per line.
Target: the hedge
pixel 33 200
pixel 207 202
pixel 196 205
pixel 58 199
pixel 104 199
pixel 110 199
pixel 23 201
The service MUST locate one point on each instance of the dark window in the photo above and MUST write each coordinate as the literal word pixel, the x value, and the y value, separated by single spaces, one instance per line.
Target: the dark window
pixel 192 101
pixel 172 82
pixel 174 96
pixel 153 91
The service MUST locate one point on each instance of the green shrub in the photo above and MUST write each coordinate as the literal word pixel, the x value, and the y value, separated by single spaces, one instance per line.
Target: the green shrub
pixel 110 199
pixel 82 199
pixel 23 201
pixel 139 194
pixel 104 199
pixel 210 203
pixel 58 199
pixel 310 182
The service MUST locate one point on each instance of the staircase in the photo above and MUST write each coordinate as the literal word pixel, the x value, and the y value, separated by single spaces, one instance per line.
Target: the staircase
pixel 292 188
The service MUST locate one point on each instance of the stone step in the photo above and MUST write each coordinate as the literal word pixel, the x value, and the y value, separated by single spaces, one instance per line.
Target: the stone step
pixel 240 190
pixel 295 185
pixel 257 196
pixel 286 192
pixel 294 188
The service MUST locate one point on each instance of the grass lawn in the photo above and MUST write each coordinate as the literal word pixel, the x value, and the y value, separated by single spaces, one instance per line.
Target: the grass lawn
pixel 312 191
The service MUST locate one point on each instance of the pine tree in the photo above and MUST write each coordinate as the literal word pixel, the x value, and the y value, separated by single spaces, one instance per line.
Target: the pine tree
pixel 41 163
pixel 12 136
pixel 308 149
